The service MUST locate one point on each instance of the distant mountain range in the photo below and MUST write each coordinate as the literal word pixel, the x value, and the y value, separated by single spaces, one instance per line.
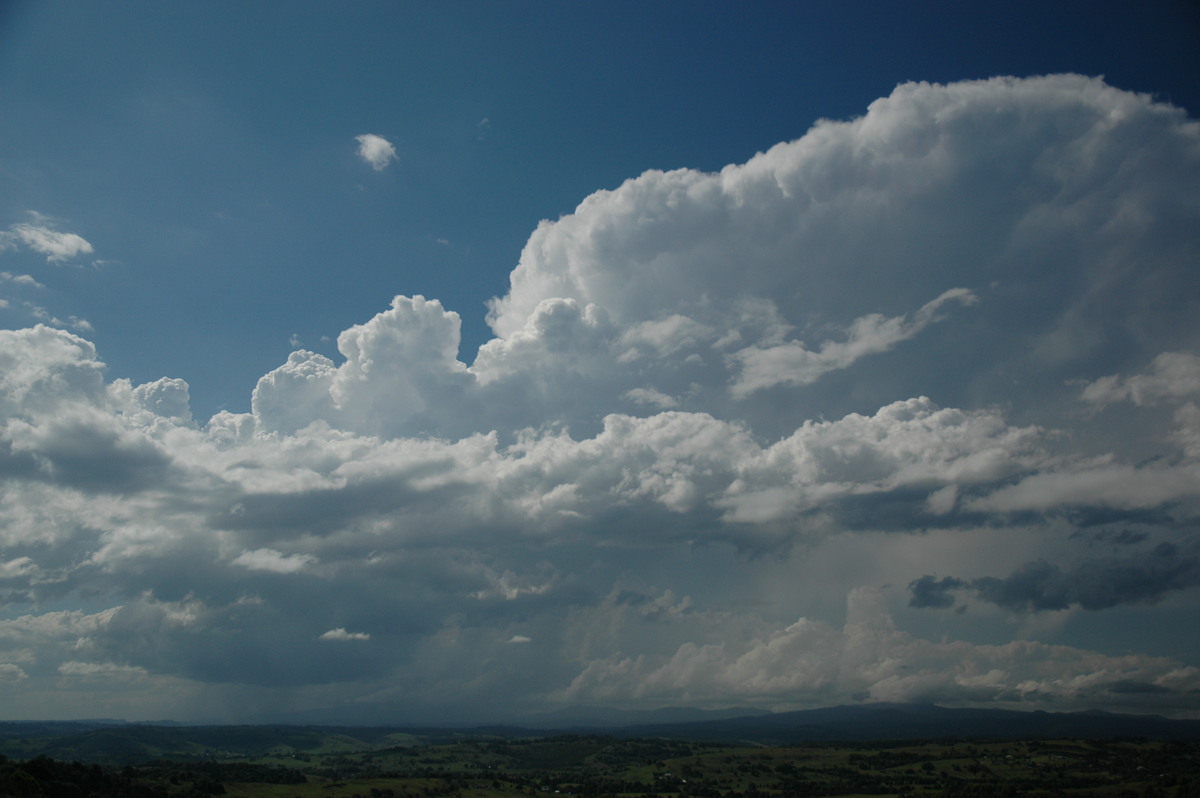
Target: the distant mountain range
pixel 915 721
pixel 106 740
pixel 603 717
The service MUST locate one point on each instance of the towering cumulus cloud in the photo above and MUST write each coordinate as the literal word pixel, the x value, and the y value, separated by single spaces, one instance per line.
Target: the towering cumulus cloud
pixel 739 438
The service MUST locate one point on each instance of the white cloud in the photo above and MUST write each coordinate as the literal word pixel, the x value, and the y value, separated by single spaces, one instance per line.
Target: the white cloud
pixel 1173 375
pixel 1103 484
pixel 41 367
pixel 375 150
pixel 60 625
pixel 1187 433
pixel 400 368
pixel 663 338
pixel 101 670
pixel 43 315
pixel 35 645
pixel 166 397
pixel 295 394
pixel 41 237
pixel 397 365
pixel 1172 380
pixel 906 445
pixel 17 567
pixel 20 279
pixel 650 398
pixel 11 673
pixel 791 363
pixel 274 561
pixel 341 634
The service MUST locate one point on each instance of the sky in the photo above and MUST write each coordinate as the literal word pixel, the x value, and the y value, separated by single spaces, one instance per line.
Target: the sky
pixel 448 362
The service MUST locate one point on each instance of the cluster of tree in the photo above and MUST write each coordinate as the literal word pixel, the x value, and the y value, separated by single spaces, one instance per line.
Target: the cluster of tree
pixel 216 772
pixel 44 777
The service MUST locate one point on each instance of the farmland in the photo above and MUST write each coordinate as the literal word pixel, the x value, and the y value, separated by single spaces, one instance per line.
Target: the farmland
pixel 306 763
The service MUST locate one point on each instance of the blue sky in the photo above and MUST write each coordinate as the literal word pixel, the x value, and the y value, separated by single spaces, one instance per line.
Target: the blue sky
pixel 752 335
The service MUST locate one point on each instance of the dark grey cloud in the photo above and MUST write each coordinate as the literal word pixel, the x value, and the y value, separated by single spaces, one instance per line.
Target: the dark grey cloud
pixel 1093 584
pixel 77 454
pixel 929 591
pixel 1138 688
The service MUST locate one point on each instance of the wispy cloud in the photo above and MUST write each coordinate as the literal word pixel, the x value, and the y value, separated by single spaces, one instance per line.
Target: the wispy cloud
pixel 41 237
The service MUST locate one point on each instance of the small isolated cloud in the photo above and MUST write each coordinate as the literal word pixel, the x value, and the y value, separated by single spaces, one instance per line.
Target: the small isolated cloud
pixel 274 561
pixel 341 634
pixel 375 150
pixel 515 639
pixel 40 236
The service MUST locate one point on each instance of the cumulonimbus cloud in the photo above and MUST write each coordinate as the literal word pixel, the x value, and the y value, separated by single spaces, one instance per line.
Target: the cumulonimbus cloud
pixel 915 328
